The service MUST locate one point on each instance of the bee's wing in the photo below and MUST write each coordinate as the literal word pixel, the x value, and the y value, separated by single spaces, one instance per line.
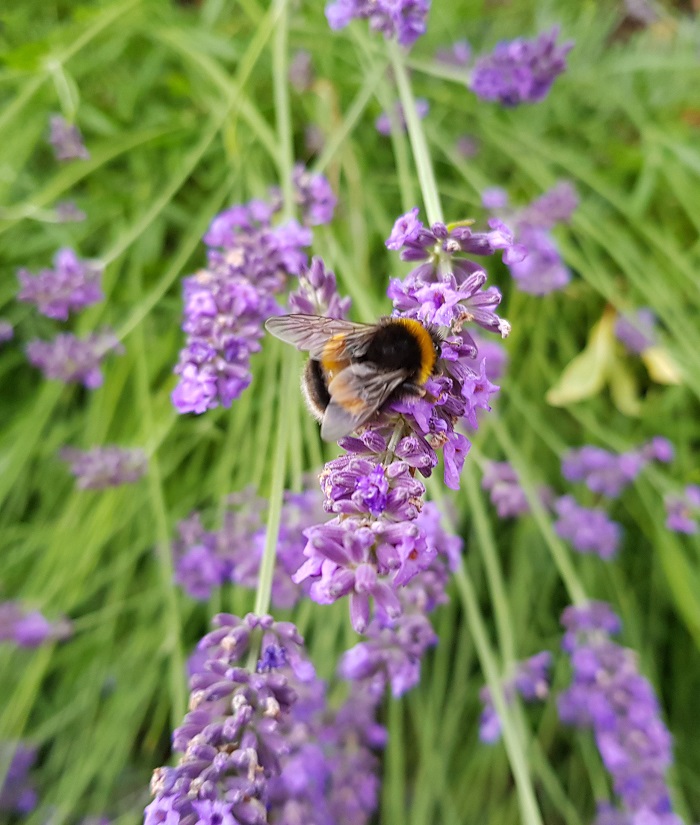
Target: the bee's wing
pixel 357 392
pixel 311 333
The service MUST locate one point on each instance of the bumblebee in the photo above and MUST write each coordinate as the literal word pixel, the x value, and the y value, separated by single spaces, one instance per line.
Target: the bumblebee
pixel 355 369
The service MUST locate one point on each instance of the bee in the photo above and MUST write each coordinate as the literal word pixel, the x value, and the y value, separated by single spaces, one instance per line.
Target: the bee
pixel 355 369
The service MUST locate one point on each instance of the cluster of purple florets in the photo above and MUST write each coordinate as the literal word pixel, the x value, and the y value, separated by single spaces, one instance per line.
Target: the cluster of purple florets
pixel 207 559
pixel 403 20
pixel 250 261
pixel 30 628
pixel 588 529
pixel 542 270
pixel 520 71
pixel 530 681
pixel 374 546
pixel 264 746
pixel 610 696
pixel 102 467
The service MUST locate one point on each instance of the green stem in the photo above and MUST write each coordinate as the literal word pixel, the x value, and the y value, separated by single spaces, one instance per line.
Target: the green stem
pixel 516 755
pixel 280 72
pixel 561 558
pixel 279 472
pixel 419 145
pixel 487 549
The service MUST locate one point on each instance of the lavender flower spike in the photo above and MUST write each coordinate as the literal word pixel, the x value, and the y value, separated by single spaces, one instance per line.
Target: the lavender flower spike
pixel 520 71
pixel 73 360
pixel 403 19
pixel 30 628
pixel 71 286
pixel 66 140
pixel 17 794
pixel 588 529
pixel 103 467
pixel 609 695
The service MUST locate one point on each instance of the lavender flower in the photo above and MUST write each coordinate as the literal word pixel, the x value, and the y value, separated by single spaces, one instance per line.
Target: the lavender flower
pixel 17 794
pixel 71 286
pixel 542 269
pixel 226 303
pixel 506 494
pixel 68 212
pixel 520 71
pixel 301 71
pixel 317 293
pixel 530 680
pixel 609 474
pixel 73 360
pixel 66 140
pixel 588 529
pixel 313 196
pixel 683 511
pixel 383 123
pixel 394 647
pixel 7 332
pixel 375 545
pixel 30 628
pixel 467 146
pixel 233 738
pixel 103 467
pixel 403 19
pixel 637 330
pixel 459 54
pixel 206 559
pixel 610 696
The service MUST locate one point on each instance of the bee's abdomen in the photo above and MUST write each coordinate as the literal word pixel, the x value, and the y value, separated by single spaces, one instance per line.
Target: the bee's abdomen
pixel 315 388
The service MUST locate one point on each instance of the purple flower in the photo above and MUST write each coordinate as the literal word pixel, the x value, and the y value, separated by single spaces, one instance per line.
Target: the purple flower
pixel 207 559
pixel 610 696
pixel 234 736
pixel 542 271
pixel 314 196
pixel 66 140
pixel 301 71
pixel 520 71
pixel 17 794
pixel 459 54
pixel 68 212
pixel 7 331
pixel 317 293
pixel 683 511
pixel 588 529
pixel 637 331
pixel 530 680
pixel 506 494
pixel 403 19
pixel 383 123
pixel 226 303
pixel 103 467
pixel 392 652
pixel 608 473
pixel 73 360
pixel 30 628
pixel 71 286
pixel 604 472
pixel 467 146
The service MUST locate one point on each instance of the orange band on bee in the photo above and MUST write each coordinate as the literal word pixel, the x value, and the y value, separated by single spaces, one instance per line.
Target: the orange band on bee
pixel 334 358
pixel 427 348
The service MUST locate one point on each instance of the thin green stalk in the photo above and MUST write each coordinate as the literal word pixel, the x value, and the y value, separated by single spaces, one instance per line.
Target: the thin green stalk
pixel 279 472
pixel 280 80
pixel 421 155
pixel 516 755
pixel 561 558
pixel 512 738
pixel 173 622
pixel 487 549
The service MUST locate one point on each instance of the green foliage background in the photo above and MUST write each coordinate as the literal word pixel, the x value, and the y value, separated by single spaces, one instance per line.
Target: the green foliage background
pixel 177 105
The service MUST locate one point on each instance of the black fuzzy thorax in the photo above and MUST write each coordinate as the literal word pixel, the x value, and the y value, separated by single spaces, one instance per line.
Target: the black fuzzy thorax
pixel 394 347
